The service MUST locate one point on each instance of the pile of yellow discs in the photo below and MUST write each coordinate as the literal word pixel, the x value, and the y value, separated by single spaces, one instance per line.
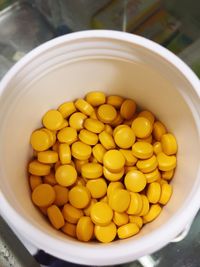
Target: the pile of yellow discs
pixel 101 169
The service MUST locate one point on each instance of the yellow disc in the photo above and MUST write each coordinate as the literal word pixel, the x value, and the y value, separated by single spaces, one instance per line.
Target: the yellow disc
pixel 95 98
pixel 165 162
pixel 79 164
pixel 91 170
pixel 135 181
pixel 69 229
pixel 50 179
pixel 88 137
pixel 153 213
pixel 55 216
pixel 129 168
pixel 76 120
pixel 115 101
pixel 79 197
pixel 66 175
pixel 130 159
pixel 98 152
pixel 135 205
pixel 136 219
pixel 153 176
pixel 84 229
pixel 153 192
pixel 63 125
pixel 87 210
pixel 127 230
pixel 124 137
pixel 106 113
pixel 114 160
pixel 105 234
pixel 104 199
pixel 158 130
pixel 51 134
pixel 128 109
pixel 148 139
pixel 40 140
pixel 120 218
pixel 169 144
pixel 166 192
pixel 162 181
pixel 147 165
pixel 94 125
pixel 52 120
pixel 113 176
pixel 80 181
pixel 108 129
pixel 39 169
pixel 168 175
pixel 94 114
pixel 117 121
pixel 148 115
pixel 117 128
pixel 101 214
pixel 142 150
pixel 113 186
pixel 61 195
pixel 66 109
pixel 107 140
pixel 119 200
pixel 81 151
pixel 84 106
pixel 65 153
pixel 43 195
pixel 34 181
pixel 67 135
pixel 157 148
pixel 145 206
pixel 48 156
pixel 142 127
pixel 97 187
pixel 71 214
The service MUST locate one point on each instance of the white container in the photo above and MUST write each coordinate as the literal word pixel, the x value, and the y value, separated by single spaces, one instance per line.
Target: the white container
pixel 117 63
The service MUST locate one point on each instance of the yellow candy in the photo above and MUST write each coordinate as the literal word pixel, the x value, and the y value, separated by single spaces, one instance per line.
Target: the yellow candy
pixel 120 218
pixel 113 186
pixel 135 181
pixel 63 125
pixel 79 164
pixel 104 199
pixel 67 135
pixel 127 109
pixel 97 187
pixel 38 169
pixel 113 176
pixel 84 229
pixel 158 130
pixel 162 181
pixel 61 195
pixel 153 213
pixel 106 113
pixel 107 140
pixel 115 100
pixel 169 144
pixel 79 197
pixel 55 216
pixel 129 168
pixel 51 134
pixel 94 115
pixel 136 219
pixel 124 137
pixel 108 129
pixel 119 200
pixel 166 163
pixel 88 137
pixel 81 151
pixel 64 153
pixel 87 210
pixel 91 170
pixel 92 159
pixel 66 109
pixel 127 230
pixel 157 148
pixel 135 205
pixel 119 127
pixel 153 176
pixel 50 179
pixel 48 156
pixel 142 127
pixel 43 195
pixel 71 214
pixel 66 175
pixel 98 152
pixel 80 181
pixel 142 150
pixel 94 125
pixel 101 214
pixel 34 181
pixel 114 160
pixel 145 206
pixel 147 139
pixel 166 192
pixel 69 229
pixel 148 115
pixel 52 120
pixel 118 120
pixel 153 192
pixel 76 120
pixel 84 106
pixel 147 165
pixel 168 174
pixel 40 140
pixel 95 98
pixel 130 159
pixel 105 234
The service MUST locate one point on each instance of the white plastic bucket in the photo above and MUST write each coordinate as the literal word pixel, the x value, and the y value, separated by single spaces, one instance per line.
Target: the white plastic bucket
pixel 117 63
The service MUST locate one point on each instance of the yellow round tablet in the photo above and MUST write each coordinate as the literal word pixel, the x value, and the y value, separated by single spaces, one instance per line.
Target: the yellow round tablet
pixel 147 165
pixel 101 213
pixel 79 197
pixel 142 150
pixel 94 125
pixel 67 135
pixel 87 210
pixel 130 159
pixel 135 205
pixel 81 151
pixel 84 229
pixel 135 181
pixel 84 106
pixel 119 200
pixel 136 219
pixel 165 162
pixel 169 144
pixel 153 192
pixel 48 156
pixel 120 218
pixel 153 176
pixel 95 98
pixel 124 137
pixel 168 175
pixel 39 169
pixel 166 192
pixel 76 120
pixel 61 195
pixel 148 115
pixel 79 164
pixel 142 127
pixel 115 101
pixel 106 113
pixel 71 214
pixel 98 152
pixel 52 119
pixel 40 140
pixel 105 234
pixel 66 175
pixel 66 109
pixel 127 230
pixel 114 160
pixel 55 216
pixel 88 137
pixel 153 213
pixel 158 130
pixel 43 195
pixel 97 187
pixel 157 147
pixel 91 170
pixel 113 176
pixel 50 179
pixel 69 229
pixel 128 109
pixel 113 186
pixel 107 140
pixel 34 181
pixel 64 153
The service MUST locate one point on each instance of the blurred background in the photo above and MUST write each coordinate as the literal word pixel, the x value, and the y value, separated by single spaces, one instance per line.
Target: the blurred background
pixel 175 24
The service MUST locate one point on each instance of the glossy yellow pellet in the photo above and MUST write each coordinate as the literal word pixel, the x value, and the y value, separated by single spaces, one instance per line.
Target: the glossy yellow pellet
pixel 118 120
pixel 51 134
pixel 129 168
pixel 136 219
pixel 91 170
pixel 153 176
pixel 38 169
pixel 79 164
pixel 157 147
pixel 130 159
pixel 113 176
pixel 81 151
pixel 147 165
pixel 168 175
pixel 127 109
pixel 84 106
pixel 142 127
pixel 145 206
pixel 98 152
pixel 48 156
pixel 135 181
pixel 165 162
pixel 95 98
pixel 94 125
pixel 114 160
pixel 108 129
pixel 148 139
pixel 166 193
pixel 101 213
pixel 158 130
pixel 104 199
pixel 107 140
pixel 105 234
pixel 97 187
pixel 162 181
pixel 113 186
pixel 79 197
pixel 135 205
pixel 43 195
pixel 34 181
pixel 119 127
pixel 52 120
pixel 88 137
pixel 69 229
pixel 87 210
pixel 63 125
pixel 120 218
pixel 61 195
pixel 115 100
pixel 50 179
pixel 148 115
pixel 142 150
pixel 153 192
pixel 66 175
pixel 64 153
pixel 124 137
pixel 153 213
pixel 71 214
pixel 106 113
pixel 76 120
pixel 67 135
pixel 40 140
pixel 84 229
pixel 119 200
pixel 127 230
pixel 169 144
pixel 66 109
pixel 55 216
